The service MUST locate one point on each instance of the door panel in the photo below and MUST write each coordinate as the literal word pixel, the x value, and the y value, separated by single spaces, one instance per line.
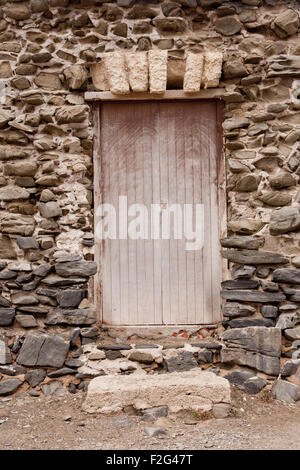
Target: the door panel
pixel 160 153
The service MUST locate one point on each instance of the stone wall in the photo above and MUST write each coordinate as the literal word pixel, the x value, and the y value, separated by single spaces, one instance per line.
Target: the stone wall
pixel 51 53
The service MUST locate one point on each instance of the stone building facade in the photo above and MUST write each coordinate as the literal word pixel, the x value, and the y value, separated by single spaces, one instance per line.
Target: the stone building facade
pixel 54 54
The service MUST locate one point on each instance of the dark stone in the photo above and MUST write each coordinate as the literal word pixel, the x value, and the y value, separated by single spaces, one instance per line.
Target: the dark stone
pixel 5 354
pixel 35 377
pixel 210 345
pixel 146 346
pixel 24 277
pixel 234 309
pixel 7 316
pixel 262 272
pixel 269 311
pixel 48 292
pixel 254 385
pixel 80 316
pixel 289 276
pixel 43 350
pixel 289 368
pixel 249 243
pixel 112 355
pixel 92 332
pixel 260 297
pixel 228 25
pixel 20 298
pixel 27 243
pixel 53 280
pixel 61 372
pixel 240 284
pixel 167 26
pixel 184 360
pixel 12 370
pixel 245 322
pixel 9 386
pixel 152 414
pixel 239 376
pixel 286 391
pixel 4 302
pixel 257 347
pixel 74 335
pixel 242 272
pixel 76 268
pixel 33 310
pixel 6 274
pixel 43 270
pixel 26 321
pixel 205 357
pixel 73 363
pixel 114 347
pixel 71 297
pixel 269 286
pixel 254 257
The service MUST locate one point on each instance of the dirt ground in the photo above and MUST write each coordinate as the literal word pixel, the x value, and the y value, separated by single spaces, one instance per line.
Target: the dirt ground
pixel 256 422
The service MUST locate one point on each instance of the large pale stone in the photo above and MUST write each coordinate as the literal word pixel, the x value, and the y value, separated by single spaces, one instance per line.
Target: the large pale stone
pixel 137 67
pixel 76 76
pixel 16 223
pixel 20 169
pixel 116 72
pixel 212 69
pixel 10 192
pixel 49 81
pixel 99 76
pixel 158 64
pixel 69 114
pixel 286 23
pixel 193 72
pixel 245 226
pixel 191 390
pixel 7 250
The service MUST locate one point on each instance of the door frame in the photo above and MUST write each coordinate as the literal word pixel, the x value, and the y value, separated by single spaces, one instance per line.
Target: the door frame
pixel 171 95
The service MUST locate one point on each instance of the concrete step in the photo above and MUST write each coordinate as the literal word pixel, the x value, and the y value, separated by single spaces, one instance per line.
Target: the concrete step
pixel 193 390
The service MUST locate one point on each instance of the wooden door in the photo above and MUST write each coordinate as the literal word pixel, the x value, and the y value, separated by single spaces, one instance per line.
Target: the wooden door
pixel 160 153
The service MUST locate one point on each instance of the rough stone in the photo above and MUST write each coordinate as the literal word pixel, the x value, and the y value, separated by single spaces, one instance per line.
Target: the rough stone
pixel 286 391
pixel 193 390
pixel 228 25
pixel 234 309
pixel 193 72
pixel 260 297
pixel 285 275
pixel 35 377
pixel 26 321
pixel 137 66
pixel 71 297
pixel 254 257
pixel 50 209
pixel 9 386
pixel 259 339
pixel 76 76
pixel 286 23
pixel 179 361
pixel 254 385
pixel 284 220
pixel 212 69
pixel 248 322
pixel 116 72
pixel 248 243
pixel 158 61
pixel 81 316
pixel 76 268
pixel 43 350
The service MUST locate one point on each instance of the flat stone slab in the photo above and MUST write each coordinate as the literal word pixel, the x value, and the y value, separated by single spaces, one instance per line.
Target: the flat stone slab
pixel 191 390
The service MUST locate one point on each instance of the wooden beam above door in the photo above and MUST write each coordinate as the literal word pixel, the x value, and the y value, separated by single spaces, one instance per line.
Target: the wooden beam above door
pixel 210 93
